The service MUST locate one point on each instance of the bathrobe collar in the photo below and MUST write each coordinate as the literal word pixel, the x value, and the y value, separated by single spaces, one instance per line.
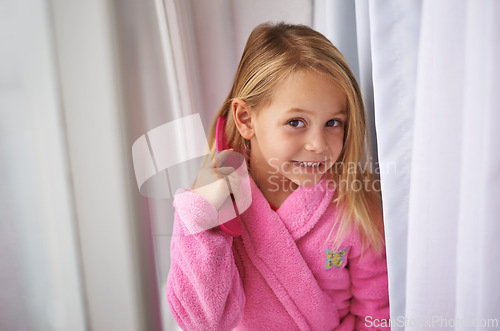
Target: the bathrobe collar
pixel 303 208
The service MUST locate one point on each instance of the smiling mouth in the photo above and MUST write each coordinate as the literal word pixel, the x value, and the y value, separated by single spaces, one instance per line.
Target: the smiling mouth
pixel 309 164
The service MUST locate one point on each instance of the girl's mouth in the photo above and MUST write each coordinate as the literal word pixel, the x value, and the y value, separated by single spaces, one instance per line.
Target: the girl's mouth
pixel 309 166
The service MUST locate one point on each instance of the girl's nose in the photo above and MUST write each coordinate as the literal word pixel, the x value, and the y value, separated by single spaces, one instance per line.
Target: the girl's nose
pixel 316 142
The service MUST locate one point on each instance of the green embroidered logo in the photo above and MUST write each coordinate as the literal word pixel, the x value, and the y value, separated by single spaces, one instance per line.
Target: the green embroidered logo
pixel 335 259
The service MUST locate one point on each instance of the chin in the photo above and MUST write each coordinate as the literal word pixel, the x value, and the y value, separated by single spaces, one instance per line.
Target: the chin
pixel 309 181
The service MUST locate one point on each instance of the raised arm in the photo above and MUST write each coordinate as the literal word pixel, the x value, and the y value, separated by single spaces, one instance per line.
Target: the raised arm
pixel 204 289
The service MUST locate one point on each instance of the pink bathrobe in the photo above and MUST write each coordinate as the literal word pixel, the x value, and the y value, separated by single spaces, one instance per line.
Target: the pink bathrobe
pixel 279 275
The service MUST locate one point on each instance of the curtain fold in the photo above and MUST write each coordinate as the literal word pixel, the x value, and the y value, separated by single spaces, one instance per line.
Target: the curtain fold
pixel 443 59
pixel 478 248
pixel 41 286
pixel 435 73
pixel 436 162
pixel 455 167
pixel 394 27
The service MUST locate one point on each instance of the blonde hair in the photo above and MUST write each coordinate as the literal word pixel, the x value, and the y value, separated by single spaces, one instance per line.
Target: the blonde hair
pixel 272 53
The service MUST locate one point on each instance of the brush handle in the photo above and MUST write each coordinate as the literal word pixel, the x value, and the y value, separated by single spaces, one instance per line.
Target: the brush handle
pixel 231 227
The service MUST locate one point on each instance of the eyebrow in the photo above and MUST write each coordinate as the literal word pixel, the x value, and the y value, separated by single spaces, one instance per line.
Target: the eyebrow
pixel 300 110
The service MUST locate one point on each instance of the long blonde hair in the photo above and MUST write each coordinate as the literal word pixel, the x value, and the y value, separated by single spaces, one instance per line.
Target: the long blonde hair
pixel 272 53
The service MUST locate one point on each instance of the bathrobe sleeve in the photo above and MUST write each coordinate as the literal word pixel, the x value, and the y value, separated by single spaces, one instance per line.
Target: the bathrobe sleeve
pixel 370 296
pixel 204 289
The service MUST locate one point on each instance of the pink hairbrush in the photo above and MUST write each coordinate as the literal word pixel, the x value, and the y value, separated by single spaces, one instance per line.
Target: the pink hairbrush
pixel 231 227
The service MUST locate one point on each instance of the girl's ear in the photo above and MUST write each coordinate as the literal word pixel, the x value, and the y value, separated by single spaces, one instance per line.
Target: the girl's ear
pixel 242 118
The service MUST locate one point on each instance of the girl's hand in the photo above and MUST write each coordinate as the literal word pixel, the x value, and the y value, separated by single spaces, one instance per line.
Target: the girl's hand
pixel 215 182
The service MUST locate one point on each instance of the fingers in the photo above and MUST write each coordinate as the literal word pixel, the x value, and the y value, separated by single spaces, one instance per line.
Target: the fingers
pixel 228 158
pixel 217 181
pixel 224 171
pixel 215 192
pixel 209 175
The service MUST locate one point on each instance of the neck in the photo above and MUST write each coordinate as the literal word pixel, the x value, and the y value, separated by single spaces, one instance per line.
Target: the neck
pixel 275 187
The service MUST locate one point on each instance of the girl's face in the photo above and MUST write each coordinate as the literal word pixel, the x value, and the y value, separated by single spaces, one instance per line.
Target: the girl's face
pixel 299 135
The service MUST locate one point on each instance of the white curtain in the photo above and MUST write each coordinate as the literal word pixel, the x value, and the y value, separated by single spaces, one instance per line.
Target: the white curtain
pixel 40 272
pixel 435 72
pixel 455 179
pixel 71 256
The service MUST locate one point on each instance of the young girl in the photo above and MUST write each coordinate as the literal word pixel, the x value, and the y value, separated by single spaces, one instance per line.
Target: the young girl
pixel 311 252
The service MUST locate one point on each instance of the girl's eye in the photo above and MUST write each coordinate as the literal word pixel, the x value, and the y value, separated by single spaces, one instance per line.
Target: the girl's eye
pixel 333 123
pixel 296 123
